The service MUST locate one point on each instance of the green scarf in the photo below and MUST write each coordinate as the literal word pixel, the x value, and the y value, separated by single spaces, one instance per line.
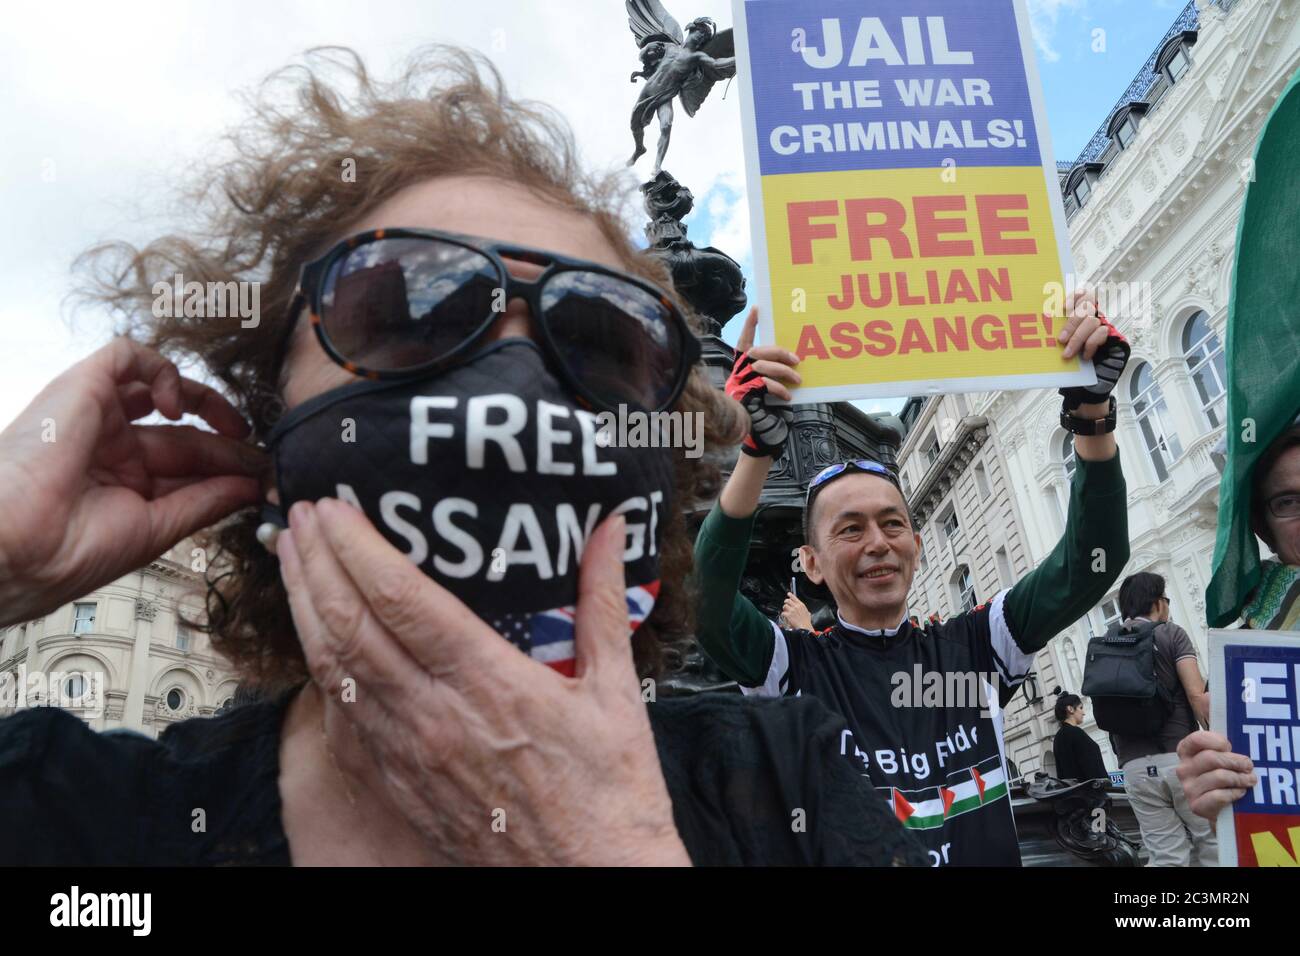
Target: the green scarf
pixel 1263 349
pixel 1275 604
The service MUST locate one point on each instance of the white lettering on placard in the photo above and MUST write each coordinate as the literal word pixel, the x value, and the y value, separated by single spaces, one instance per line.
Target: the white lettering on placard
pixel 1270 683
pixel 873 43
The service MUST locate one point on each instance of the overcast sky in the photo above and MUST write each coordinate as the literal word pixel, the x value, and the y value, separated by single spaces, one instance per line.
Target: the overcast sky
pixel 102 106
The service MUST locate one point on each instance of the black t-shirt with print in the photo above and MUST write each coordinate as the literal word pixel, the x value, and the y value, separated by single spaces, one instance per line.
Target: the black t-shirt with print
pixel 751 782
pixel 923 708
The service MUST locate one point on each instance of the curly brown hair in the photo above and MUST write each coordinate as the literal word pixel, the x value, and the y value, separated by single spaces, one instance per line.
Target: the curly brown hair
pixel 279 197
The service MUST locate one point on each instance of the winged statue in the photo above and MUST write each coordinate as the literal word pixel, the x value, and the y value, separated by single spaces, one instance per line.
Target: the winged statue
pixel 674 64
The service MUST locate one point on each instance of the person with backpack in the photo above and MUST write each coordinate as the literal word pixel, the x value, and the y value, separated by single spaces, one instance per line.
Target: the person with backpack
pixel 1148 692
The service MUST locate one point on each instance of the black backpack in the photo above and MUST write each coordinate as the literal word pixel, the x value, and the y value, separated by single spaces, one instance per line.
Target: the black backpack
pixel 1120 677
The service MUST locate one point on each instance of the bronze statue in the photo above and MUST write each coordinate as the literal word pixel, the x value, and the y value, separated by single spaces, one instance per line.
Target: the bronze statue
pixel 673 65
pixel 709 279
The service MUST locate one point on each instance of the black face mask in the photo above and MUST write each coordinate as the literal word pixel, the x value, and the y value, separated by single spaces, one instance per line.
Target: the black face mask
pixel 491 478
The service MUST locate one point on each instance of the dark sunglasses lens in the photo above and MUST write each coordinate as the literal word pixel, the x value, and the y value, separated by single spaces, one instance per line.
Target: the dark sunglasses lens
pixel 395 304
pixel 618 339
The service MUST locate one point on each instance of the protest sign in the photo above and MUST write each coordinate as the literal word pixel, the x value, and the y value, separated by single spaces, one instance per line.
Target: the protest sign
pixel 908 229
pixel 1255 701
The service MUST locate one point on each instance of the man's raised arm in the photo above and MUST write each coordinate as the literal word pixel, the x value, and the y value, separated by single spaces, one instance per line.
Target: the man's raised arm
pixel 1094 549
pixel 734 633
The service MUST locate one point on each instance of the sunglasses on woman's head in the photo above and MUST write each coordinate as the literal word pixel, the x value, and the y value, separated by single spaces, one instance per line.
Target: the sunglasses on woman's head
pixel 402 303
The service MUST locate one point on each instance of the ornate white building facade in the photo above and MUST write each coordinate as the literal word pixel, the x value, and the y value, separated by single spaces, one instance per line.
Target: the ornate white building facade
pixel 1153 205
pixel 123 655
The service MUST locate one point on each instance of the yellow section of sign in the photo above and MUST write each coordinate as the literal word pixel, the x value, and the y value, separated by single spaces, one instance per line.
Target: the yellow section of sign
pixel 914 274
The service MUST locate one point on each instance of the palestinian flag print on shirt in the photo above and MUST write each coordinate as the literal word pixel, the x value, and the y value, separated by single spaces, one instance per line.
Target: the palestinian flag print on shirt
pixel 964 790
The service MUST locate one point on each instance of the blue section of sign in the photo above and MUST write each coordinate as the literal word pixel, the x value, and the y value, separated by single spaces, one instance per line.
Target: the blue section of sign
pixel 1263 712
pixel 972 114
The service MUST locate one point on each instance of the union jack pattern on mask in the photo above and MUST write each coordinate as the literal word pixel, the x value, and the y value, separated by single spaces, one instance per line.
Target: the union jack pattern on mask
pixel 547 636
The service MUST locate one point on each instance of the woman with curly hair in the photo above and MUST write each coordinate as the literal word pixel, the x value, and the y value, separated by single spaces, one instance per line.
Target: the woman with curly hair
pixel 406 485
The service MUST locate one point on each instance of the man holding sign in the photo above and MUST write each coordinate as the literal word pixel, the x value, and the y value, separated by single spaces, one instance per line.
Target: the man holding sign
pixel 922 704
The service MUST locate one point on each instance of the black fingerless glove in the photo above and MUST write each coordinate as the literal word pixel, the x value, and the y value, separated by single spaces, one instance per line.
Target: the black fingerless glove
pixel 769 422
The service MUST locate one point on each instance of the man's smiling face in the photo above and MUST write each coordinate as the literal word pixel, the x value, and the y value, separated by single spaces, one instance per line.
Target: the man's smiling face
pixel 864 548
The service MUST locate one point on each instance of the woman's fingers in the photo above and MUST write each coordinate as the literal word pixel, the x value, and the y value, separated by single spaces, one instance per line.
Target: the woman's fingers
pixel 124 360
pixel 129 364
pixel 328 670
pixel 746 340
pixel 174 451
pixel 430 623
pixel 601 630
pixel 211 406
pixel 195 506
pixel 136 400
pixel 340 610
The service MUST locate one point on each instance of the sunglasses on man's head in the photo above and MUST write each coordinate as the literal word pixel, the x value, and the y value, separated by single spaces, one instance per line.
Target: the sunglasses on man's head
pixel 402 303
pixel 859 464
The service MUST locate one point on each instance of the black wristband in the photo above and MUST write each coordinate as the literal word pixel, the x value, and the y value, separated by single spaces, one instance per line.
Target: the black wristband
pixel 1089 426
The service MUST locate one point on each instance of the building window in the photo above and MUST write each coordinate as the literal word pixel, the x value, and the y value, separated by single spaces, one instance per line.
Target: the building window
pixel 1109 609
pixel 1178 64
pixel 923 562
pixel 1126 133
pixel 1204 353
pixel 1173 59
pixel 965 589
pixel 83 618
pixel 175 699
pixel 182 638
pixel 1004 567
pixel 1073 673
pixel 982 482
pixel 1082 192
pixel 74 689
pixel 907 485
pixel 1152 413
pixel 932 450
pixel 1067 455
pixel 1123 125
pixel 951 526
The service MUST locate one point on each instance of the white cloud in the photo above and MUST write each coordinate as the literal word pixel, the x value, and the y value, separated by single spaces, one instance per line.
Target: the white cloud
pixel 1044 17
pixel 120 99
pixel 729 213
